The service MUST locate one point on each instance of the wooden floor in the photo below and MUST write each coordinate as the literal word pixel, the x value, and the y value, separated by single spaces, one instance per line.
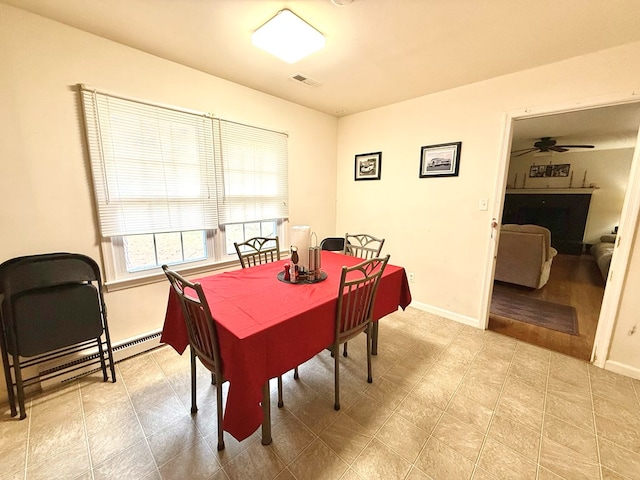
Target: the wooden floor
pixel 575 280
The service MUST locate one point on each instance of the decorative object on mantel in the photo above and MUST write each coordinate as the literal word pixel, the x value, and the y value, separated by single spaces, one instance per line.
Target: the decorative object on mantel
pixel 442 160
pixel 558 170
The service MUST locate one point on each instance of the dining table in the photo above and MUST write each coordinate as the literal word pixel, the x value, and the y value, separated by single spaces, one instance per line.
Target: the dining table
pixel 267 326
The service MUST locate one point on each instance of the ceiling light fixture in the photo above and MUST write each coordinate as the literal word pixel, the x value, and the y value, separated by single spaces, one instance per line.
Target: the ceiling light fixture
pixel 288 37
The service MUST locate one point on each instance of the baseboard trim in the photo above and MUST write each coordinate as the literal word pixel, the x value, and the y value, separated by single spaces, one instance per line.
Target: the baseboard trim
pixel 622 369
pixel 472 322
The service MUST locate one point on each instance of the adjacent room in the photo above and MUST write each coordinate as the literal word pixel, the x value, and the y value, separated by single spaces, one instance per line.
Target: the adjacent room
pixel 491 148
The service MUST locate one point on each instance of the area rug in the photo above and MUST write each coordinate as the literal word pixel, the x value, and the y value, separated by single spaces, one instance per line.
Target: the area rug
pixel 514 306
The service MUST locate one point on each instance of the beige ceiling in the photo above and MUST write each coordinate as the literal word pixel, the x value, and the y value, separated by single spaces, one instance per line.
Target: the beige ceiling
pixel 377 52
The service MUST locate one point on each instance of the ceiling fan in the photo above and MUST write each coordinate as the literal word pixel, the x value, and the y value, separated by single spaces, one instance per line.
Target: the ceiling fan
pixel 547 144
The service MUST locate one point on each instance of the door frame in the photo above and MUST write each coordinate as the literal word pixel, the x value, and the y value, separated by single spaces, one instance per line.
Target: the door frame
pixel 627 226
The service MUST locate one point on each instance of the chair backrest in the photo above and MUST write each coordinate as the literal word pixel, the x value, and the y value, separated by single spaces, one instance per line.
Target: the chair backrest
pixel 201 328
pixel 533 229
pixel 258 250
pixel 334 244
pixel 362 245
pixel 51 301
pixel 356 297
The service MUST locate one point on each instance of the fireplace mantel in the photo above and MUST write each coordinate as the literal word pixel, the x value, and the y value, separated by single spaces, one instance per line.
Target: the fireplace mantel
pixel 538 191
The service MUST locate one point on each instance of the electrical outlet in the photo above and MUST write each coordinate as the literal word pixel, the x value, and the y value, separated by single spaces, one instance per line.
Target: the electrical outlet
pixel 412 277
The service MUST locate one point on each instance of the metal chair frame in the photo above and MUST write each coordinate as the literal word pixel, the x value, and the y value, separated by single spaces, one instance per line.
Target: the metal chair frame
pixel 258 250
pixel 203 341
pixel 203 338
pixel 41 295
pixel 354 310
pixel 362 245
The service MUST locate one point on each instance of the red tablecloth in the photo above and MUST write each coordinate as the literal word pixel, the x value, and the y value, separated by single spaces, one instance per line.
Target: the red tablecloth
pixel 267 327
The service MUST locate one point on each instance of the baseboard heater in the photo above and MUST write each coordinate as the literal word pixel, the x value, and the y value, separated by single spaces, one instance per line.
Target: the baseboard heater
pixel 80 364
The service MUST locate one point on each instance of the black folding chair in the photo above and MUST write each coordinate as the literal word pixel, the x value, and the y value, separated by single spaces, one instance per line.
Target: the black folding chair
pixel 333 244
pixel 51 307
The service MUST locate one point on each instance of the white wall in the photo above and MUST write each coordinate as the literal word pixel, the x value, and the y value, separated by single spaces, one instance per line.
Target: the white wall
pixel 45 182
pixel 607 169
pixel 433 226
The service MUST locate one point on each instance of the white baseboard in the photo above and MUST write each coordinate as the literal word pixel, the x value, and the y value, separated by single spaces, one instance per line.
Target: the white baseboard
pixel 472 322
pixel 622 369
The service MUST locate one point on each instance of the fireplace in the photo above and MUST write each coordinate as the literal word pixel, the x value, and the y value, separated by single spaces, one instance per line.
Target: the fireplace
pixel 564 214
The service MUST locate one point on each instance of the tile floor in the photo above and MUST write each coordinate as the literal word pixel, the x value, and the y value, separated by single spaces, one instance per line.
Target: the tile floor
pixel 447 402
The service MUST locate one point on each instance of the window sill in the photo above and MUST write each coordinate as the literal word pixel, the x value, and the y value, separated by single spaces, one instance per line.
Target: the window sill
pixel 156 277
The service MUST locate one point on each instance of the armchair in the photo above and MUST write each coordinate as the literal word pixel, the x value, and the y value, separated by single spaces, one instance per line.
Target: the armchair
pixel 524 255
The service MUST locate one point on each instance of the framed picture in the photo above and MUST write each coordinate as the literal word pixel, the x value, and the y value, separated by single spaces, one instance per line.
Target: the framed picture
pixel 368 166
pixel 441 160
pixel 559 170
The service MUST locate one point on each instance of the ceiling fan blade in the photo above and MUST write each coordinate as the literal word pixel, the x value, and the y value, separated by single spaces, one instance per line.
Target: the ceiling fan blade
pixel 523 152
pixel 559 148
pixel 575 146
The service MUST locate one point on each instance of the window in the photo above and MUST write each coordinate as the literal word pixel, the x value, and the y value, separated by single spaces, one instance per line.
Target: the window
pixel 239 232
pixel 179 187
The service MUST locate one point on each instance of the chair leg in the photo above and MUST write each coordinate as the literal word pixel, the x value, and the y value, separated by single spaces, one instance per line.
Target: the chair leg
pixel 219 408
pixel 8 378
pixel 103 364
pixel 336 404
pixel 369 377
pixel 374 338
pixel 19 386
pixel 295 373
pixel 280 401
pixel 194 406
pixel 344 349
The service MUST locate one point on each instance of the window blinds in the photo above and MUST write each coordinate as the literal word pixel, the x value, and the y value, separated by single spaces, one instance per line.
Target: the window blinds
pixel 159 169
pixel 153 167
pixel 252 165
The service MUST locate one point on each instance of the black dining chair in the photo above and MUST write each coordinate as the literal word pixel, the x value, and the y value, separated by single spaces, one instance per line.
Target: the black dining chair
pixel 333 244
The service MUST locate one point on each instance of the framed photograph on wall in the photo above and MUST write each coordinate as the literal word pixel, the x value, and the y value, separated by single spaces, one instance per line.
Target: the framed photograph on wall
pixel 559 170
pixel 368 166
pixel 442 160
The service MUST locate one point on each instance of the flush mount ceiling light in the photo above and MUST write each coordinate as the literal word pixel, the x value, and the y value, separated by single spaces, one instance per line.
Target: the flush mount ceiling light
pixel 288 37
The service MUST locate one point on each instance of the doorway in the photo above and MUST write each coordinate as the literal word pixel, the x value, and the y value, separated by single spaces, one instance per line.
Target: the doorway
pixel 575 279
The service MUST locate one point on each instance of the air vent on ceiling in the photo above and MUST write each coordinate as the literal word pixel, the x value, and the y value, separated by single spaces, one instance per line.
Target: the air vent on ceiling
pixel 308 81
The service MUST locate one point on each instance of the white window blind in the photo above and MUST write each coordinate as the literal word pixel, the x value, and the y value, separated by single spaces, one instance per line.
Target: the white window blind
pixel 153 167
pixel 252 180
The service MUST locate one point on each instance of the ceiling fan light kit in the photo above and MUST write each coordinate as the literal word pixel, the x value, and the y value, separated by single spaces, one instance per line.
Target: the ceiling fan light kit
pixel 288 37
pixel 547 144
